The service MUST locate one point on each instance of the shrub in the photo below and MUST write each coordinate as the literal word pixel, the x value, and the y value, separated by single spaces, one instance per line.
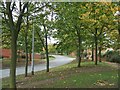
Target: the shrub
pixel 108 55
pixel 112 56
pixel 115 58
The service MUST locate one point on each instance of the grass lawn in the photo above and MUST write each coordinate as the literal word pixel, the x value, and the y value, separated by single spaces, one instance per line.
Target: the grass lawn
pixel 6 62
pixel 69 76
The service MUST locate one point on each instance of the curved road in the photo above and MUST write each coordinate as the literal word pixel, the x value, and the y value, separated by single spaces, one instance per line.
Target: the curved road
pixel 58 61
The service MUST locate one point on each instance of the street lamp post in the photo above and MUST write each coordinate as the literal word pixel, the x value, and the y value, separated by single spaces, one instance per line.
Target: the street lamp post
pixel 32 64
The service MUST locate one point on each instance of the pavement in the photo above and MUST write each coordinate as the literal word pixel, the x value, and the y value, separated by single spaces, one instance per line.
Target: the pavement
pixel 58 61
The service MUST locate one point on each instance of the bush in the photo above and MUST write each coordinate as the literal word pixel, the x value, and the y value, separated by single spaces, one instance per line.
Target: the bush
pixel 115 58
pixel 112 56
pixel 108 55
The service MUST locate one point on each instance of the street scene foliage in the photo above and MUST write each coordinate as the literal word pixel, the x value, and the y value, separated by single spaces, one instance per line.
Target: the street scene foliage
pixel 34 32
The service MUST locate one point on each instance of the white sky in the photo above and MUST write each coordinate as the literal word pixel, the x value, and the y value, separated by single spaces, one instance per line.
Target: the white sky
pixel 52 40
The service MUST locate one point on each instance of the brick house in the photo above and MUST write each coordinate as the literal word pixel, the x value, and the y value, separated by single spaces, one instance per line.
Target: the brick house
pixel 6 53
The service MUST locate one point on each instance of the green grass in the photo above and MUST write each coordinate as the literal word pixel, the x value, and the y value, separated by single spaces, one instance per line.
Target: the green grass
pixel 87 76
pixel 83 80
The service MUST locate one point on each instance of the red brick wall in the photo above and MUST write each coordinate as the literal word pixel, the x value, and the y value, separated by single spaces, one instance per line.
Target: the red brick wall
pixel 73 54
pixel 6 53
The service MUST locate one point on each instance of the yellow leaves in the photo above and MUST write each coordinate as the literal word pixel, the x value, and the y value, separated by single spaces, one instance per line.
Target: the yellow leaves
pixel 114 34
pixel 105 2
pixel 112 84
pixel 76 71
pixel 103 83
pixel 64 82
pixel 62 77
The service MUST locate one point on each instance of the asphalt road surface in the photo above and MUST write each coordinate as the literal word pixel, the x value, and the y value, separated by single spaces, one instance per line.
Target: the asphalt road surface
pixel 58 61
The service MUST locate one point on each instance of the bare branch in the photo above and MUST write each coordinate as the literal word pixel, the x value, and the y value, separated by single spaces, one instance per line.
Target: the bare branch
pixel 9 13
pixel 13 6
pixel 20 17
pixel 42 41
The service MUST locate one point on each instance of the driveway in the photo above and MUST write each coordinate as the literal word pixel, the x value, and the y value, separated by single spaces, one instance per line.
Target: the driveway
pixel 58 61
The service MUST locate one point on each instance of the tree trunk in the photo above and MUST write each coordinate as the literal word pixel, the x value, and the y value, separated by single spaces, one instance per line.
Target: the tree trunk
pixel 30 55
pixel 119 28
pixel 18 55
pixel 93 52
pixel 79 49
pixel 26 50
pixel 100 54
pixel 32 62
pixel 96 46
pixel 47 57
pixel 46 48
pixel 26 64
pixel 79 57
pixel 13 59
pixel 26 47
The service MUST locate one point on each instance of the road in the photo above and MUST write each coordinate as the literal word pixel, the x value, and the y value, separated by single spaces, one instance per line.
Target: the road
pixel 58 61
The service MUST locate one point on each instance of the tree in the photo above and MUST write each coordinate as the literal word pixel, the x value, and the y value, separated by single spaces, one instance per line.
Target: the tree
pixel 43 28
pixel 99 17
pixel 70 25
pixel 26 45
pixel 14 27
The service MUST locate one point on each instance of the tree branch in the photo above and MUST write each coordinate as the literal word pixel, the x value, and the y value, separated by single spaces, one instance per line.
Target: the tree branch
pixel 42 41
pixel 20 17
pixel 9 13
pixel 13 6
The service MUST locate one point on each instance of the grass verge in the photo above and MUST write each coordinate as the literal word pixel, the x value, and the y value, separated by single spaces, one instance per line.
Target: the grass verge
pixel 69 76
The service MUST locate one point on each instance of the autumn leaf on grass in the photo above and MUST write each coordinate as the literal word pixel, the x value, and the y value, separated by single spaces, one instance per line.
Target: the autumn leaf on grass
pixel 64 82
pixel 59 72
pixel 22 83
pixel 76 71
pixel 18 86
pixel 101 83
pixel 62 77
pixel 111 84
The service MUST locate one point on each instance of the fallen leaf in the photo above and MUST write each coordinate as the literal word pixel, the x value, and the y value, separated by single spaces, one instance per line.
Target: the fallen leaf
pixel 112 84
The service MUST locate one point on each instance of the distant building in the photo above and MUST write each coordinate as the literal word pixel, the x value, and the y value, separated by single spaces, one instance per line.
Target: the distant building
pixel 6 53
